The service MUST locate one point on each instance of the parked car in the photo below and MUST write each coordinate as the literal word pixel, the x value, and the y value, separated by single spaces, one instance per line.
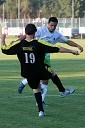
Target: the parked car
pixel 75 33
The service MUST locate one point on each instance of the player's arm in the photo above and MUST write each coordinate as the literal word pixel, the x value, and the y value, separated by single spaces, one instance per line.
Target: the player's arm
pixel 10 49
pixel 71 43
pixel 49 48
pixel 20 37
pixel 3 40
pixel 65 50
pixel 63 39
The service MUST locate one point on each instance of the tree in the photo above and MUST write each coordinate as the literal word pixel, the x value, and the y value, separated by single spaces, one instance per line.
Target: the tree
pixel 11 9
pixel 65 8
pixel 82 8
pixel 42 8
pixel 29 8
pixel 54 8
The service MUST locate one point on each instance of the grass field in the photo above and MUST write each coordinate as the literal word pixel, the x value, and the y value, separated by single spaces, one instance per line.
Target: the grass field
pixel 19 111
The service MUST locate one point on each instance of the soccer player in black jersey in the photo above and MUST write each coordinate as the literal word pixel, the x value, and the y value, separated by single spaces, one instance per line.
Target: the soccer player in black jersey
pixel 31 55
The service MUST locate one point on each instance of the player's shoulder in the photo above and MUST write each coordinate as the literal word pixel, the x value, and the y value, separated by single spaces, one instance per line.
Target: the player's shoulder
pixel 42 28
pixel 56 31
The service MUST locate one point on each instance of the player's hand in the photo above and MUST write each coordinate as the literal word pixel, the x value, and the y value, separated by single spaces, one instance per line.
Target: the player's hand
pixel 11 42
pixel 74 52
pixel 80 48
pixel 22 37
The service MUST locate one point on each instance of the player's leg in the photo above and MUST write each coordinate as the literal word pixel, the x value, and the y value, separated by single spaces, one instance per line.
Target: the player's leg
pixel 44 87
pixel 34 84
pixel 55 79
pixel 57 82
pixel 38 98
pixel 44 83
pixel 22 84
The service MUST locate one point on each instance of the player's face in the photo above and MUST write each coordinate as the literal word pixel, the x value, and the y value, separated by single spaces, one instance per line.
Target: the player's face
pixel 52 26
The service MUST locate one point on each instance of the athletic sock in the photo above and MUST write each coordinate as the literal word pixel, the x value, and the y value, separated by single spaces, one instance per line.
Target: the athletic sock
pixel 24 81
pixel 38 98
pixel 58 83
pixel 44 91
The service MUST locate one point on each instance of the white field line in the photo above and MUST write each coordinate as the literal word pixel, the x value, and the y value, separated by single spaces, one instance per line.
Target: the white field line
pixel 32 96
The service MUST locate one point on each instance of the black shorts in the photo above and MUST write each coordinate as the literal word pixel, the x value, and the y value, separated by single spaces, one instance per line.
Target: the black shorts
pixel 45 74
pixel 33 83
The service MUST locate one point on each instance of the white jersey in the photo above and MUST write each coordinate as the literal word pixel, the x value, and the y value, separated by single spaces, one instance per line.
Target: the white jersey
pixel 54 37
pixel 43 33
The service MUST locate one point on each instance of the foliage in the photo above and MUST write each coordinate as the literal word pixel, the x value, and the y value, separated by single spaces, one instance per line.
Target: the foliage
pixel 43 8
pixel 65 8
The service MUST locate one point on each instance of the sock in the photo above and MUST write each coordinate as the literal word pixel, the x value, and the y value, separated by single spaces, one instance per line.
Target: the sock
pixel 58 83
pixel 38 98
pixel 24 81
pixel 44 92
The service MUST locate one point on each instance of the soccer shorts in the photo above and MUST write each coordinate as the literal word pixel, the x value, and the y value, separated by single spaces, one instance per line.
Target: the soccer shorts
pixel 45 74
pixel 47 60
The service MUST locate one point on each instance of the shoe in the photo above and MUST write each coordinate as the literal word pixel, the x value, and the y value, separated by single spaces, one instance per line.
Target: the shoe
pixel 21 87
pixel 41 114
pixel 67 92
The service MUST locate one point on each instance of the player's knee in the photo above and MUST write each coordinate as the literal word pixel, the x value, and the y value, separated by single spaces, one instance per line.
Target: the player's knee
pixel 44 87
pixel 53 73
pixel 24 81
pixel 45 82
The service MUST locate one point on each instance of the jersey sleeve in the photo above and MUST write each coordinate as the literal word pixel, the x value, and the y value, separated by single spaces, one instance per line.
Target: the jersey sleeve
pixel 62 39
pixel 11 49
pixel 38 33
pixel 48 48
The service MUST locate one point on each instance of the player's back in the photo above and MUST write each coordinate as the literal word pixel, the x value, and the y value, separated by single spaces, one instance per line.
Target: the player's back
pixel 31 57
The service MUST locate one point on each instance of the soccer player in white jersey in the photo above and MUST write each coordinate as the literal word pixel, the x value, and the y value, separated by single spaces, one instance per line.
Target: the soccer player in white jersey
pixel 50 34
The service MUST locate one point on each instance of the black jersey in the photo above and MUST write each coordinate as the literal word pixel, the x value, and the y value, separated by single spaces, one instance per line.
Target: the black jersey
pixel 31 55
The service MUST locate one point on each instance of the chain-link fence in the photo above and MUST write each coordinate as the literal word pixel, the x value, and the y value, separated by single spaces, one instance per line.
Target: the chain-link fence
pixel 64 24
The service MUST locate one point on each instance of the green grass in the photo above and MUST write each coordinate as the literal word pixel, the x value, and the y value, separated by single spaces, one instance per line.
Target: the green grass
pixel 19 111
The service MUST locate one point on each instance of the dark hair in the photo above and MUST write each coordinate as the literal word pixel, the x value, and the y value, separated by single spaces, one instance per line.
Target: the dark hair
pixel 30 29
pixel 53 19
